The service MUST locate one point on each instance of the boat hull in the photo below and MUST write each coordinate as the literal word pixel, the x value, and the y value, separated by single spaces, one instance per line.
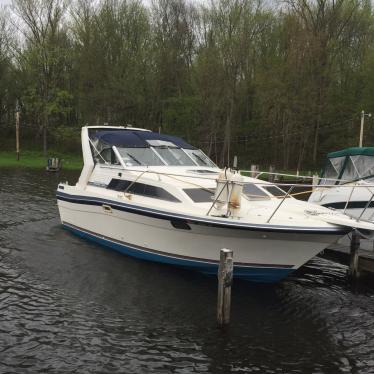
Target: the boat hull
pixel 251 273
pixel 260 255
pixel 354 200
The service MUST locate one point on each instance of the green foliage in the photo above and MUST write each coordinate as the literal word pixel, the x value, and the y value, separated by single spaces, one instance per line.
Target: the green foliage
pixel 279 86
pixel 181 117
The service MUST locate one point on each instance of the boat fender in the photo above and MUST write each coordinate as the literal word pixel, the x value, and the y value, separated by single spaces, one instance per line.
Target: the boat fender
pixel 221 195
pixel 236 190
pixel 228 193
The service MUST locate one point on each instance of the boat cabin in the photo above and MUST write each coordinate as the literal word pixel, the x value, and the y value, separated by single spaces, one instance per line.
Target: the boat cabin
pixel 348 165
pixel 139 147
pixel 115 158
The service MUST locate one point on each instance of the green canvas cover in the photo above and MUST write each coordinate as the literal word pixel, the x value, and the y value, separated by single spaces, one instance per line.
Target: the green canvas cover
pixel 354 151
pixel 347 165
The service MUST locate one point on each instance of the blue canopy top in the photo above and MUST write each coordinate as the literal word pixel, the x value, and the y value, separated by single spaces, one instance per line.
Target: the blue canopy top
pixel 120 138
pixel 135 139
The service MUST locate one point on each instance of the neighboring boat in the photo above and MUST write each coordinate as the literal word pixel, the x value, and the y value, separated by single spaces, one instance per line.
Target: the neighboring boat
pixel 157 198
pixel 351 170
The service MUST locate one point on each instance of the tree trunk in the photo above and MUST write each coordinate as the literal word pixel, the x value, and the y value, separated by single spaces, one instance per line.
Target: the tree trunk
pixel 44 140
pixel 315 145
pixel 210 144
pixel 316 133
pixel 301 154
pixel 44 127
pixel 227 136
pixel 286 145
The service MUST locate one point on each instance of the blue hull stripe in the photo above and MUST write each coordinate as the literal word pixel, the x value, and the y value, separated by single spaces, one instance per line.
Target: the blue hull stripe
pixel 149 212
pixel 255 273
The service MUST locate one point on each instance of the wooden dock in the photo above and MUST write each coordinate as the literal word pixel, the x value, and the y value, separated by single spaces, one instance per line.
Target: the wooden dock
pixel 360 261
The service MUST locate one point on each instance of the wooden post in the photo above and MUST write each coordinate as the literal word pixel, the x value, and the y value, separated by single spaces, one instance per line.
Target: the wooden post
pixel 355 246
pixel 225 274
pixel 17 132
pixel 254 169
pixel 271 176
pixel 315 181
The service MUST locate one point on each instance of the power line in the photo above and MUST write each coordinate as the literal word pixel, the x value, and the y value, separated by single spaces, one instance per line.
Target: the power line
pixel 252 138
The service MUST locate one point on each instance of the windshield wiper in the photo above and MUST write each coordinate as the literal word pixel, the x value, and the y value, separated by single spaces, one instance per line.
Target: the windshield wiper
pixel 134 158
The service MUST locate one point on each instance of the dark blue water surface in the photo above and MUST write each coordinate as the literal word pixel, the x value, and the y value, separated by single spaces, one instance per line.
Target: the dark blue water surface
pixel 70 306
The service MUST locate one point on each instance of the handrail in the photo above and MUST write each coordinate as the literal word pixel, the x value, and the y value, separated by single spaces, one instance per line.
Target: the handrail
pixel 279 205
pixel 287 194
pixel 216 199
pixel 291 175
pixel 255 183
pixel 349 199
pixel 366 206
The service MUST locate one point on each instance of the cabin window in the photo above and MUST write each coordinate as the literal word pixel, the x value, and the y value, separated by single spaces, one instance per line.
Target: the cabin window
pixel 275 191
pixel 253 192
pixel 200 195
pixel 106 156
pixel 141 189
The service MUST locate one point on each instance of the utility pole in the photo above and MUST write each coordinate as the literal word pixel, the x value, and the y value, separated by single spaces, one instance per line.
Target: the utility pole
pixel 17 129
pixel 363 114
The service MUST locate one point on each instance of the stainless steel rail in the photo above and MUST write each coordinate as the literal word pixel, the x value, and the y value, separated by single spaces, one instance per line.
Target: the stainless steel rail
pixel 279 205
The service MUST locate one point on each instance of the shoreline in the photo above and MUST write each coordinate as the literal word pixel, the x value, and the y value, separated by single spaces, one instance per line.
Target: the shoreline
pixel 70 161
pixel 36 160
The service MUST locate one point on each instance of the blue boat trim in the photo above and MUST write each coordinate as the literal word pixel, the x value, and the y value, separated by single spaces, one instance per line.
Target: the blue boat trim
pixel 253 272
pixel 154 213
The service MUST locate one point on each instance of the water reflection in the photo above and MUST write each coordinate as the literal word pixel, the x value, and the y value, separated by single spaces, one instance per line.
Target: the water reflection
pixel 67 305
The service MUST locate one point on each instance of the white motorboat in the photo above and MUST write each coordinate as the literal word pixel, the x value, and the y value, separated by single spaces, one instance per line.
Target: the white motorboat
pixel 157 198
pixel 347 182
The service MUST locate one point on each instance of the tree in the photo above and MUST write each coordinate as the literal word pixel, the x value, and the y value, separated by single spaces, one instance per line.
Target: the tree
pixel 43 57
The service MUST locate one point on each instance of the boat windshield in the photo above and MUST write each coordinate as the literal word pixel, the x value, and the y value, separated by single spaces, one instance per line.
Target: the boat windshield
pixel 340 170
pixel 174 156
pixel 139 157
pixel 332 170
pixel 163 155
pixel 200 158
pixel 358 167
pixel 144 148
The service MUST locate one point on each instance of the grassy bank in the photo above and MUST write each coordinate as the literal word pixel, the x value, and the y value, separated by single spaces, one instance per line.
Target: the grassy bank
pixel 33 159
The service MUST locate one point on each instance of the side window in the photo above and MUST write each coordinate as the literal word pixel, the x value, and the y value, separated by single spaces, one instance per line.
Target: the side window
pixel 200 195
pixel 106 156
pixel 254 193
pixel 275 191
pixel 141 189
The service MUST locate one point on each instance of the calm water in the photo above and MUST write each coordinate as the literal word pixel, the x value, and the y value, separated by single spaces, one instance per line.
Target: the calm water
pixel 67 305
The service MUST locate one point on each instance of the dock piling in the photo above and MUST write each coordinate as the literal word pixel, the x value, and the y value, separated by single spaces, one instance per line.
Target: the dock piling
pixel 271 177
pixel 354 255
pixel 315 181
pixel 254 171
pixel 225 275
